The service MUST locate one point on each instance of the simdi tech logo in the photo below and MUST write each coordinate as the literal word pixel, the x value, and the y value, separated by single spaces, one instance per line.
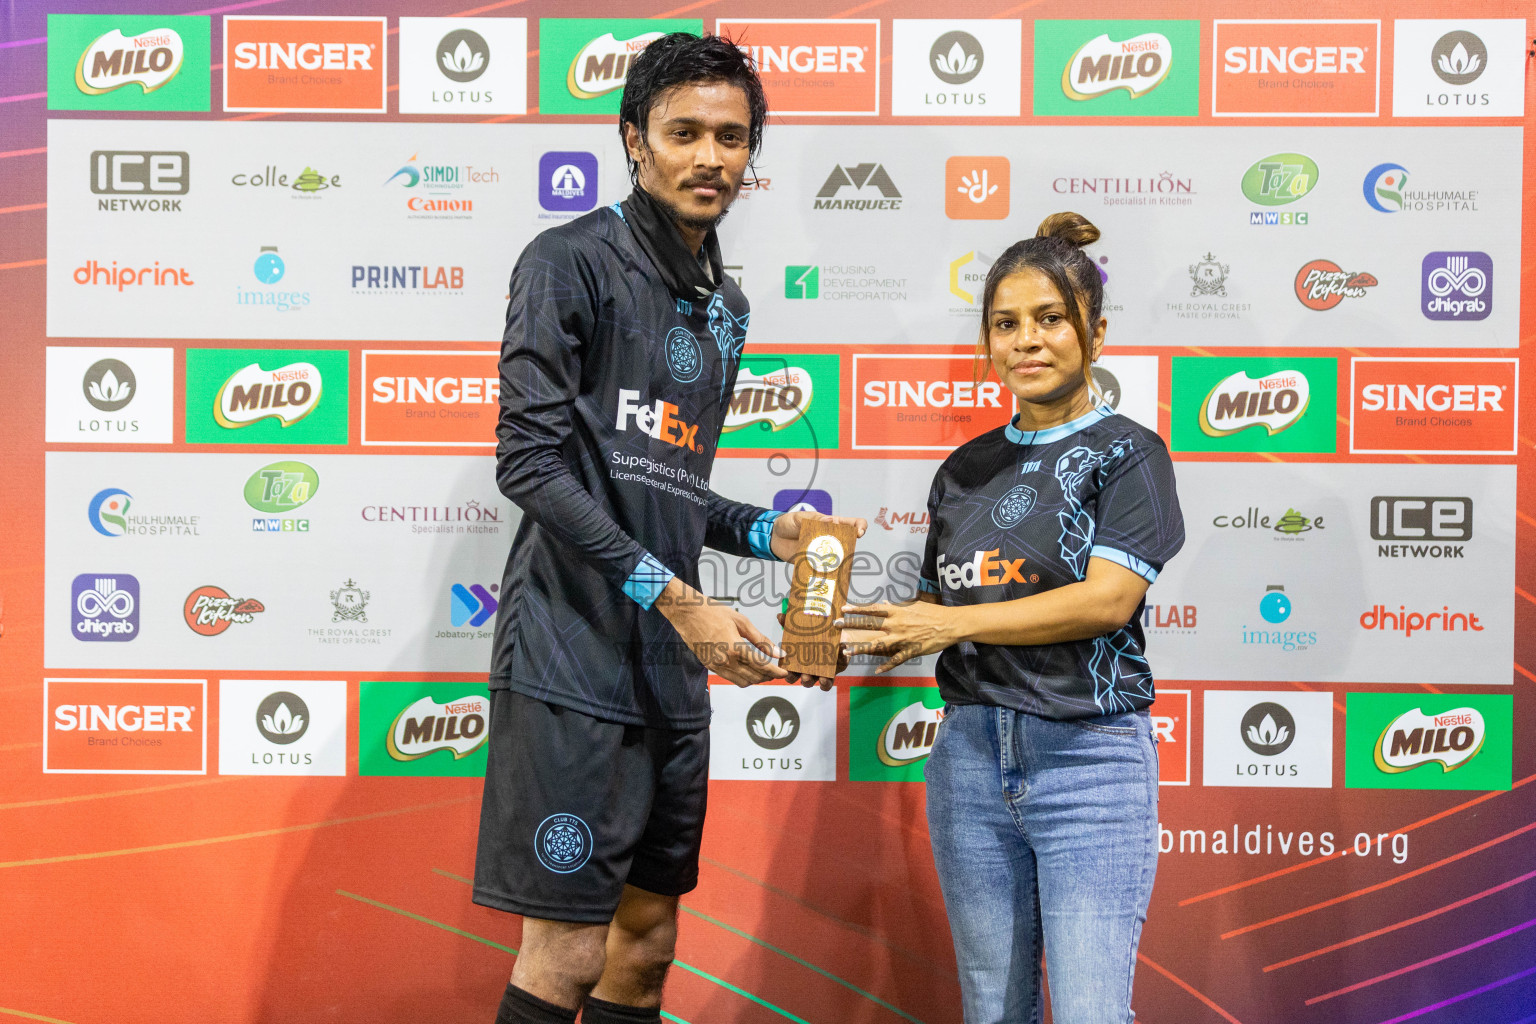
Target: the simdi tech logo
pixel 1117 68
pixel 1428 741
pixel 314 64
pixel 891 731
pixel 128 62
pixel 1433 406
pixel 125 726
pixel 266 396
pixel 1223 404
pixel 584 62
pixel 425 729
pixel 1296 68
pixel 785 401
pixel 813 68
pixel 463 65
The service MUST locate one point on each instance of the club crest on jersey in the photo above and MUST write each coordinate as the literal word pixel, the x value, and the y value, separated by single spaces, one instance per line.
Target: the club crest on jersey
pixel 1014 506
pixel 658 420
pixel 684 357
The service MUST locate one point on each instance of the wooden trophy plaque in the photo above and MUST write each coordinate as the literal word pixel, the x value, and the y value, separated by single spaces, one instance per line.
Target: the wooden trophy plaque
pixel 817 590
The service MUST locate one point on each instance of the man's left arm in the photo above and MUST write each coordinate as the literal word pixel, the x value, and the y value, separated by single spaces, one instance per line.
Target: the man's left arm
pixel 739 528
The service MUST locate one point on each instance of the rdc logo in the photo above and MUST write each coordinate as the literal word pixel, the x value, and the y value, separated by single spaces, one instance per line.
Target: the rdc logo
pixel 1457 286
pixel 563 843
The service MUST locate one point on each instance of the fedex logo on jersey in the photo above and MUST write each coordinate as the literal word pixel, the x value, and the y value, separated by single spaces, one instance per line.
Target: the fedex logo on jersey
pixel 658 420
pixel 983 569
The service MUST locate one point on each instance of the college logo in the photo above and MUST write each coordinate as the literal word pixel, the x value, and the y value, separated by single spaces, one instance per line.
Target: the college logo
pixel 146 176
pixel 1113 67
pixel 941 67
pixel 584 62
pixel 1457 286
pixel 922 401
pixel 321 65
pixel 113 62
pixel 233 399
pixel 426 729
pixel 1014 506
pixel 1321 284
pixel 463 65
pixel 857 177
pixel 563 843
pixel 306 184
pixel 1257 738
pixel 1433 406
pixel 821 68
pixel 976 187
pixel 1170 727
pixel 1296 68
pixel 125 727
pixel 426 725
pixel 471 606
pixel 104 607
pixel 109 395
pixel 1420 741
pixel 784 401
pixel 209 610
pixel 430 398
pixel 292 727
pixel 568 182
pixel 1427 527
pixel 287 394
pixel 1290 525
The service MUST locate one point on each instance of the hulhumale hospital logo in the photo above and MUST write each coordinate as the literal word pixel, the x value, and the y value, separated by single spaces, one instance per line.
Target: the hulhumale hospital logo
pixel 563 843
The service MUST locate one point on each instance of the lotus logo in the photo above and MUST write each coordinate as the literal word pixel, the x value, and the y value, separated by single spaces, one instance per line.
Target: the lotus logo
pixel 1459 58
pixel 1413 738
pixel 463 55
pixel 956 57
pixel 109 384
pixel 282 717
pixel 773 723
pixel 1268 729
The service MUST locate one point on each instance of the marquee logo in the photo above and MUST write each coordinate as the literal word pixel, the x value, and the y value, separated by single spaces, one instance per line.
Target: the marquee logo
pixel 1224 403
pixel 287 394
pixel 1434 406
pixel 772 401
pixel 1275 401
pixel 1418 741
pixel 125 727
pixel 1322 284
pixel 427 725
pixel 104 607
pixel 821 68
pixel 865 179
pixel 317 64
pixel 1296 68
pixel 1457 286
pixel 209 610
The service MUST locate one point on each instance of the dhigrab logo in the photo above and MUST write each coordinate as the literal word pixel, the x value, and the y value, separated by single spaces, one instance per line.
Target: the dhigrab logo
pixel 1457 286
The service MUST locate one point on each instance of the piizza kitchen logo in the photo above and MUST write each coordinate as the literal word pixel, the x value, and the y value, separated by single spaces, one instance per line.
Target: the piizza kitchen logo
pixel 1464 67
pixel 319 65
pixel 923 402
pixel 125 727
pixel 817 68
pixel 266 396
pixel 210 610
pixel 1323 284
pixel 1117 68
pixel 891 731
pixel 1225 404
pixel 1258 738
pixel 953 68
pixel 784 401
pixel 1279 180
pixel 1433 406
pixel 431 398
pixel 428 729
pixel 1425 741
pixel 463 65
pixel 773 732
pixel 113 62
pixel 1296 68
pixel 584 62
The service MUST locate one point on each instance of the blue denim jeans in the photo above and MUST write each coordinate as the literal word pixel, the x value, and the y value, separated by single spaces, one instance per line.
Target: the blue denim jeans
pixel 1045 837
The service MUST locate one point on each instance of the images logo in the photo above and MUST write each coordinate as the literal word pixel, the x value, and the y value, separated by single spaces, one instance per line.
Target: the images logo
pixel 1384 187
pixel 232 399
pixel 1274 402
pixel 125 727
pixel 429 729
pixel 584 62
pixel 331 65
pixel 471 606
pixel 1119 68
pixel 108 512
pixel 1280 179
pixel 104 608
pixel 1434 406
pixel 140 173
pixel 1420 741
pixel 209 610
pixel 1296 68
pixel 270 268
pixel 891 731
pixel 1275 608
pixel 976 187
pixel 822 68
pixel 858 176
pixel 1457 286
pixel 1321 285
pixel 122 62
pixel 568 182
pixel 802 282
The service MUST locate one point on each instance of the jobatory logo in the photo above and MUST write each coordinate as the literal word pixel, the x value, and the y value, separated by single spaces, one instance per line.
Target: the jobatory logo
pixel 584 62
pixel 891 731
pixel 956 68
pixel 146 180
pixel 871 189
pixel 1279 180
pixel 266 396
pixel 1424 741
pixel 109 395
pixel 922 401
pixel 1421 527
pixel 1443 405
pixel 1117 68
pixel 210 610
pixel 471 605
pixel 417 728
pixel 1296 68
pixel 125 726
pixel 422 398
pixel 287 727
pixel 567 182
pixel 128 62
pixel 1170 725
pixel 816 68
pixel 1259 738
pixel 773 732
pixel 785 401
pixel 1463 67
pixel 1323 284
pixel 463 65
pixel 976 187
pixel 314 64
pixel 1457 286
pixel 104 607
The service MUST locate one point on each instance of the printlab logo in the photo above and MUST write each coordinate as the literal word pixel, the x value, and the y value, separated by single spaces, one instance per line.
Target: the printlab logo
pixel 463 55
pixel 349 603
pixel 773 723
pixel 1268 729
pixel 1323 284
pixel 109 384
pixel 104 607
pixel 472 605
pixel 563 843
pixel 282 717
pixel 145 177
pixel 568 182
pixel 1457 286
pixel 976 187
pixel 209 610
pixel 956 57
pixel 1459 58
pixel 858 177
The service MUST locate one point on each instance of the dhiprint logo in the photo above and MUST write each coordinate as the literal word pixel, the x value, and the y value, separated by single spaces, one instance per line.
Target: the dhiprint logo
pixel 1268 729
pixel 458 725
pixel 568 182
pixel 1260 738
pixel 108 512
pixel 976 187
pixel 282 717
pixel 145 176
pixel 209 610
pixel 463 55
pixel 109 384
pixel 1012 507
pixel 563 843
pixel 93 272
pixel 1457 286
pixel 858 177
pixel 816 68
pixel 1403 621
pixel 956 57
pixel 1323 284
pixel 121 62
pixel 104 607
pixel 941 67
pixel 1384 185
pixel 471 606
pixel 1459 58
pixel 773 723
pixel 1418 741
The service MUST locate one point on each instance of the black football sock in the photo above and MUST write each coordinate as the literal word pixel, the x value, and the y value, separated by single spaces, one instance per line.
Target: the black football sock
pixel 519 1007
pixel 601 1011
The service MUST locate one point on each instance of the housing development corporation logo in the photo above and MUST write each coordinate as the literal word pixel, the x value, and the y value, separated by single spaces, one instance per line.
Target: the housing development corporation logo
pixel 1323 284
pixel 315 64
pixel 426 729
pixel 1424 741
pixel 1433 406
pixel 584 62
pixel 956 68
pixel 1457 286
pixel 128 62
pixel 820 68
pixel 1296 68
pixel 104 607
pixel 1117 68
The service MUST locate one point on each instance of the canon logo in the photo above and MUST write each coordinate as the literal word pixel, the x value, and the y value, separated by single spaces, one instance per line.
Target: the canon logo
pixel 938 394
pixel 124 718
pixel 1299 60
pixel 1431 397
pixel 304 56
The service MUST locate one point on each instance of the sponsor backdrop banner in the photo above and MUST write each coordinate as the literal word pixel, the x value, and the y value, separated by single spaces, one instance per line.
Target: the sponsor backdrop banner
pixel 254 264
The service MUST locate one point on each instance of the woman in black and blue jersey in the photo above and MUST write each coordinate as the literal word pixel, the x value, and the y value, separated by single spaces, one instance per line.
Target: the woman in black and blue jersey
pixel 1044 536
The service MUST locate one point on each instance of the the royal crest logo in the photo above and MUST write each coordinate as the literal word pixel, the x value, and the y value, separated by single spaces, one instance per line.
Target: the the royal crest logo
pixel 1138 65
pixel 349 603
pixel 1274 402
pixel 1209 277
pixel 426 725
pixel 1451 738
pixel 1014 506
pixel 772 400
pixel 209 610
pixel 287 394
pixel 149 60
pixel 684 357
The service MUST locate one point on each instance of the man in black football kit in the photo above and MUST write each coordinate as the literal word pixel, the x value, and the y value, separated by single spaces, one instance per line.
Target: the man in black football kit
pixel 622 345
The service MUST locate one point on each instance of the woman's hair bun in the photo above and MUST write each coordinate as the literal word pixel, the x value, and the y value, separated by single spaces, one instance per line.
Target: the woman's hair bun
pixel 1072 228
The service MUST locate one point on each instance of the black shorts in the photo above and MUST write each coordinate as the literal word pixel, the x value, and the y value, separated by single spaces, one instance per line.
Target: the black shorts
pixel 576 807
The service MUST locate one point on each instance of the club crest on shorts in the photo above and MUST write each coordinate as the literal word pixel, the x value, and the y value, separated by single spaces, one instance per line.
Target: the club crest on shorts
pixel 563 843
pixel 684 358
pixel 1014 506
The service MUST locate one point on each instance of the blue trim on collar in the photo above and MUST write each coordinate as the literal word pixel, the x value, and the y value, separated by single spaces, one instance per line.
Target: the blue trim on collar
pixel 1058 432
pixel 616 208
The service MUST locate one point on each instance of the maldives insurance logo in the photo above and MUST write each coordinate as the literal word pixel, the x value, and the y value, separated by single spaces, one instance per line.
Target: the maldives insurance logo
pixel 122 62
pixel 584 62
pixel 1117 68
pixel 1254 405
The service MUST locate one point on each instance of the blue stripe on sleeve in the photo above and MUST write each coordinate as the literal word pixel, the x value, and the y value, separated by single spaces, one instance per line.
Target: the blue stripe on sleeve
pixel 647 581
pixel 760 534
pixel 927 586
pixel 1131 562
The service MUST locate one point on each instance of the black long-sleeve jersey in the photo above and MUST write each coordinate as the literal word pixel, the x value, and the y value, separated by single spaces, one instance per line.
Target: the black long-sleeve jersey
pixel 613 391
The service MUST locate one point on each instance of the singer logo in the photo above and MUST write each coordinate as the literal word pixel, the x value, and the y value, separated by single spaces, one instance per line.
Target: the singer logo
pixel 821 68
pixel 924 402
pixel 333 65
pixel 1296 68
pixel 976 187
pixel 1170 726
pixel 1273 402
pixel 288 394
pixel 125 727
pixel 430 398
pixel 1434 406
pixel 659 421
